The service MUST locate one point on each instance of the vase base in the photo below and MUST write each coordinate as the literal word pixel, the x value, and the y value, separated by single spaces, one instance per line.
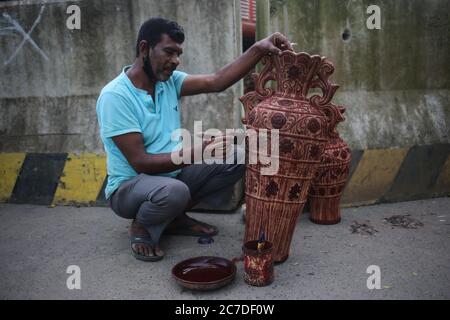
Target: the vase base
pixel 281 260
pixel 325 222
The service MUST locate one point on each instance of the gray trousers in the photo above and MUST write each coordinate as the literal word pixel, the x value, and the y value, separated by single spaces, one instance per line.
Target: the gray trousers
pixel 154 201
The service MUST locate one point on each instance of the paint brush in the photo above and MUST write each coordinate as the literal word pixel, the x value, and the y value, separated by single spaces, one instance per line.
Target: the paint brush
pixel 261 241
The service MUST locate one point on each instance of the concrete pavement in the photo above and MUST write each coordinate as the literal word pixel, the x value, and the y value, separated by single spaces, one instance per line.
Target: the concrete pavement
pixel 38 243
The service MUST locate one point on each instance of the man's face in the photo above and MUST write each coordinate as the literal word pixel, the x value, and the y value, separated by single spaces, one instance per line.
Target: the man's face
pixel 164 58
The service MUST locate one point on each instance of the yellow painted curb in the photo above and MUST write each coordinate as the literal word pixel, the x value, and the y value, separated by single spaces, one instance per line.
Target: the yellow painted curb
pixel 82 179
pixel 10 165
pixel 374 175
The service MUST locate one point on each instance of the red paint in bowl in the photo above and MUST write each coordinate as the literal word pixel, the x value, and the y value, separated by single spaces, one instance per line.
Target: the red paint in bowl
pixel 204 273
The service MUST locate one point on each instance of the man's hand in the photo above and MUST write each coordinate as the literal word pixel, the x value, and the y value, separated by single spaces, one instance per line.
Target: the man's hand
pixel 274 44
pixel 223 145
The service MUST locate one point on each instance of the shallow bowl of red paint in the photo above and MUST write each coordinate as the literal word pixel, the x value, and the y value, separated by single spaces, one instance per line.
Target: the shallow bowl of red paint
pixel 204 273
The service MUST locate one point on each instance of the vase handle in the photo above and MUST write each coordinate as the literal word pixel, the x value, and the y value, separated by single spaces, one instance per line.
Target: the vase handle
pixel 253 98
pixel 334 114
pixel 321 81
pixel 249 101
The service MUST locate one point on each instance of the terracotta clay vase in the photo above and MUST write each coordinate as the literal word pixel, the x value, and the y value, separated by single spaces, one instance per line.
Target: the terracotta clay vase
pixel 331 176
pixel 274 202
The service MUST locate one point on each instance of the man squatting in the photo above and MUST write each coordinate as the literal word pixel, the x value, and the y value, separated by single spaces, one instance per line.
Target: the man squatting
pixel 137 113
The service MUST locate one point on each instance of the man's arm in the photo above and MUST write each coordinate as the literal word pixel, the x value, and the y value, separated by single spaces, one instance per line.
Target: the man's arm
pixel 236 70
pixel 132 147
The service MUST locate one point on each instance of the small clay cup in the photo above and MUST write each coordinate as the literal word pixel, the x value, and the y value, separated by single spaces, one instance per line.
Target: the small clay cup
pixel 258 264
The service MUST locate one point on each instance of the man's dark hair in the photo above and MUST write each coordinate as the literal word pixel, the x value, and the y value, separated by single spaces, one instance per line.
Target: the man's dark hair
pixel 152 30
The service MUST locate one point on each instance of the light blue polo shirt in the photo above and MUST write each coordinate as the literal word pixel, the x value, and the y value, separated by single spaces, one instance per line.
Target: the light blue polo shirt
pixel 123 108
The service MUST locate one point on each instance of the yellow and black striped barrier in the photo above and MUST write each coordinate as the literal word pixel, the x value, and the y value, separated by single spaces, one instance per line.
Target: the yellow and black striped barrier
pixel 53 178
pixel 381 175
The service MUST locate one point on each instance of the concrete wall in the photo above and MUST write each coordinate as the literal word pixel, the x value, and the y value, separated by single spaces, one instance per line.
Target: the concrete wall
pixel 49 86
pixel 395 81
pixel 48 93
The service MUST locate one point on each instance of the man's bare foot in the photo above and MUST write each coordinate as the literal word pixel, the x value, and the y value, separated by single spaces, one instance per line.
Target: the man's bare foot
pixel 185 225
pixel 143 249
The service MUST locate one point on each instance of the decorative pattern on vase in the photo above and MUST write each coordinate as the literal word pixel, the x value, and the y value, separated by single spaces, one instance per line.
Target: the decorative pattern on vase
pixel 332 174
pixel 273 203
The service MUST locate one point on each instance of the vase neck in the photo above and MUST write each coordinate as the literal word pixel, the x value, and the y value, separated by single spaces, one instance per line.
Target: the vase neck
pixel 295 74
pixel 287 95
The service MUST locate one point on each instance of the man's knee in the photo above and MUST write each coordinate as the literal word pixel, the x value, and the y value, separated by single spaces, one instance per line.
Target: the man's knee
pixel 178 194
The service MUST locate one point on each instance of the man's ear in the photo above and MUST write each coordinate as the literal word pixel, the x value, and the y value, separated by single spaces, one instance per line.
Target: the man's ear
pixel 143 47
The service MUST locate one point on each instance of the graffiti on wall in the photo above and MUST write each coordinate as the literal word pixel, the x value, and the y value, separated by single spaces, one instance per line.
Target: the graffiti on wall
pixel 11 27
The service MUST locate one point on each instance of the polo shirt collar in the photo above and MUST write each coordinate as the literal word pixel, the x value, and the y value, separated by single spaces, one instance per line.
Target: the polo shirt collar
pixel 159 87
